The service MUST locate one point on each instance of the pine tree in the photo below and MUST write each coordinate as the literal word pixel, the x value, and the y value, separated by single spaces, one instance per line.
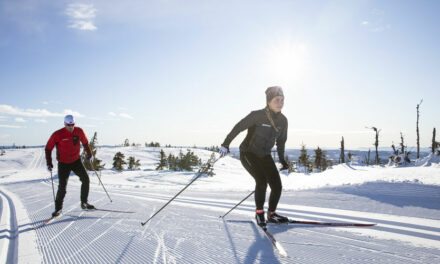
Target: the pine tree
pixel 320 162
pixel 163 161
pixel 349 156
pixel 318 158
pixel 126 143
pixel 184 162
pixel 133 164
pixel 324 161
pixel 208 168
pixel 93 147
pixel 118 161
pixel 304 158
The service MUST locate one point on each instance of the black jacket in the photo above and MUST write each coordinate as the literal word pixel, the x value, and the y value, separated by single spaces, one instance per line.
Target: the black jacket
pixel 261 136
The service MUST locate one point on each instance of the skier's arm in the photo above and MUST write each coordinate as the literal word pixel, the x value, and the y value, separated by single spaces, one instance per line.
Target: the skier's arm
pixel 245 123
pixel 48 150
pixel 281 143
pixel 85 144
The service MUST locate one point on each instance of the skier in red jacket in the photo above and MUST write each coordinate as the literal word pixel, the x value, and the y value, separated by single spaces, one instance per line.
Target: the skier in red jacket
pixel 67 140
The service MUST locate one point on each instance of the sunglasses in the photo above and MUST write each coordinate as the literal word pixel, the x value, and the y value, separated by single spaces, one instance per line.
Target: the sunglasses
pixel 69 124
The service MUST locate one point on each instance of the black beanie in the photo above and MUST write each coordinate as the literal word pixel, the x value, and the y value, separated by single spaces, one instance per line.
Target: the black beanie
pixel 272 92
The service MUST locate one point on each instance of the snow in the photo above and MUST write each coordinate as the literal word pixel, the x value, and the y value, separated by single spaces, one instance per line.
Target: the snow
pixel 403 201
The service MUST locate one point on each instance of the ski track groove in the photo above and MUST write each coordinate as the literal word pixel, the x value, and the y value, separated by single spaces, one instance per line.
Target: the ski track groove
pixel 94 240
pixel 360 247
pixel 11 229
pixel 89 226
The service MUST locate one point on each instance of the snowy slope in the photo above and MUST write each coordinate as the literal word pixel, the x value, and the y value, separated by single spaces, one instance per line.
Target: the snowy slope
pixel 404 202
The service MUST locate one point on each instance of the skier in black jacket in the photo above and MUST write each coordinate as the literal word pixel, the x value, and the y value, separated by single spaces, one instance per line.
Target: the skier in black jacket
pixel 265 127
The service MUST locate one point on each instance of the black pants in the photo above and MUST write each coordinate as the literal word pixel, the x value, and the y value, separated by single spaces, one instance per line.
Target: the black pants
pixel 64 170
pixel 264 172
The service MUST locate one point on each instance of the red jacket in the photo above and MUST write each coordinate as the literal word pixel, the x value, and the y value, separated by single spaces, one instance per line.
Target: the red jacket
pixel 67 144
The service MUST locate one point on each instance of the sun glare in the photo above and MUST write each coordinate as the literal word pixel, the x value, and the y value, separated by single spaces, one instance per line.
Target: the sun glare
pixel 287 62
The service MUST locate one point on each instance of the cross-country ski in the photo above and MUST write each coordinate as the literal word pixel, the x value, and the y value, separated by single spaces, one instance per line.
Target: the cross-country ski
pixel 330 223
pixel 277 245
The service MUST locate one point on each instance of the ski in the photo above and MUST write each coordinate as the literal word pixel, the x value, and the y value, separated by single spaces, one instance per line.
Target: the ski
pixel 329 223
pixel 277 245
pixel 49 220
pixel 112 211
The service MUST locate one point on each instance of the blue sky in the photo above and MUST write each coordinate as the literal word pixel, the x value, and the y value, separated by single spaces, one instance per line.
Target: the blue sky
pixel 184 72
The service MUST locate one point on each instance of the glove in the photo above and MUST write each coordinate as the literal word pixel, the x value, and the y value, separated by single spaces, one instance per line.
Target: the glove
pixel 50 167
pixel 285 167
pixel 91 159
pixel 223 151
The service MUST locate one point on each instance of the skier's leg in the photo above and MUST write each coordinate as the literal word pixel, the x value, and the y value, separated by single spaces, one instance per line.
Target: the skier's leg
pixel 63 177
pixel 273 178
pixel 253 165
pixel 78 169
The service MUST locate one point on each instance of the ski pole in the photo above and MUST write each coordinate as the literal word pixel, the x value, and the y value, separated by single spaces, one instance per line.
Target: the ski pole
pixel 223 216
pixel 53 188
pixel 193 180
pixel 99 178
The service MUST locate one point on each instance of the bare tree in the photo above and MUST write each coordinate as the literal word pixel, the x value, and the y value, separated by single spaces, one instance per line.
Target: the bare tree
pixel 376 142
pixel 402 144
pixel 435 144
pixel 342 156
pixel 418 135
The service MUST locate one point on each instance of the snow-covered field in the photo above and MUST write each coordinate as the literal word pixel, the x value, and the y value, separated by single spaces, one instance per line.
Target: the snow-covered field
pixel 404 202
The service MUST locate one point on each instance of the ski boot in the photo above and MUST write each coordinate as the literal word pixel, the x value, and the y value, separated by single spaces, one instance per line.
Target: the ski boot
pixel 87 206
pixel 57 212
pixel 273 217
pixel 259 217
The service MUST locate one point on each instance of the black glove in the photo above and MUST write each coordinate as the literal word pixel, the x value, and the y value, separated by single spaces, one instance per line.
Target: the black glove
pixel 285 167
pixel 49 166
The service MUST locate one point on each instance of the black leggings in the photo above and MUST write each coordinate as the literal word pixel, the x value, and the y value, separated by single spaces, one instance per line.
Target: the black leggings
pixel 264 172
pixel 64 170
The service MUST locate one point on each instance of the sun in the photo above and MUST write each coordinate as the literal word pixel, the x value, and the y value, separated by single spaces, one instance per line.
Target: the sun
pixel 287 61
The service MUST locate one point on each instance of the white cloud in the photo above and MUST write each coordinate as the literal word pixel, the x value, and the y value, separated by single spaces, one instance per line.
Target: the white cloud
pixel 9 126
pixel 364 22
pixel 51 102
pixel 19 120
pixel 11 110
pixel 40 120
pixel 81 16
pixel 112 114
pixel 124 115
